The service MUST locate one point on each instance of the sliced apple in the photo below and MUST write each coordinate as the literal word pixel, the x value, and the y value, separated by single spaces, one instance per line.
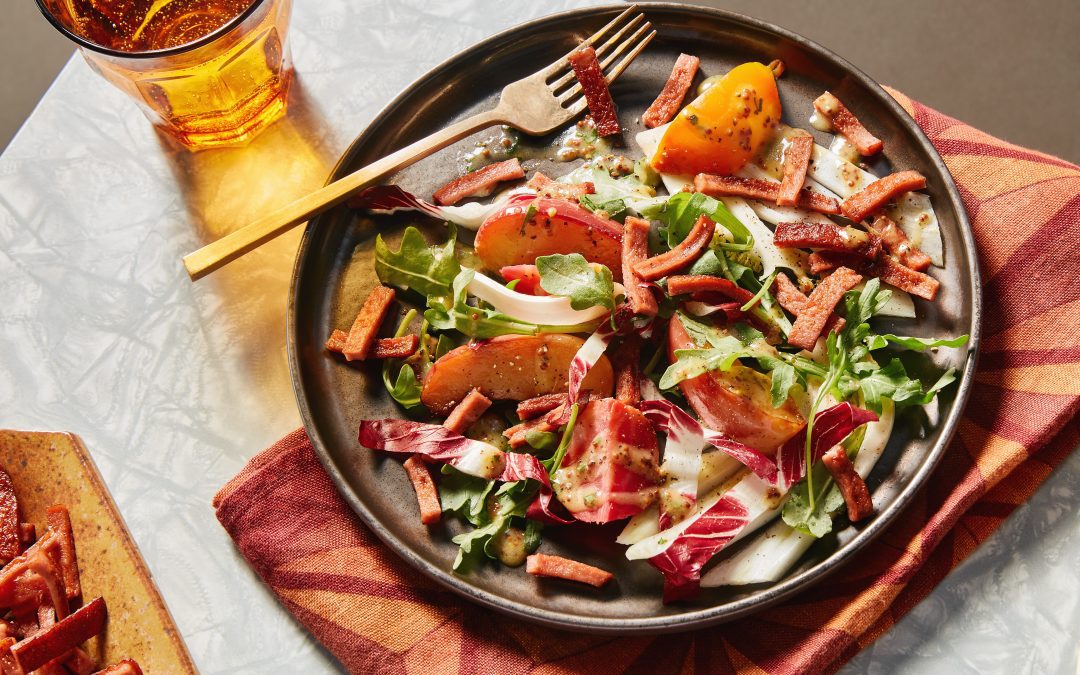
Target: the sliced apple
pixel 736 402
pixel 516 234
pixel 514 367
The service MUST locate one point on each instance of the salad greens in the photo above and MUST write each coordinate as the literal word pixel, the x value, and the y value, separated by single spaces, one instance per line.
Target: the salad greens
pixel 573 277
pixel 428 270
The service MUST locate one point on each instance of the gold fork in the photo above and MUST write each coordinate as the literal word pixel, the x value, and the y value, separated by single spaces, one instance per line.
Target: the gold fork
pixel 536 105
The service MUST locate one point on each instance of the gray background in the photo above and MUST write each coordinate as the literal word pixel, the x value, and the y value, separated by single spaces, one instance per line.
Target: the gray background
pixel 1009 68
pixel 105 333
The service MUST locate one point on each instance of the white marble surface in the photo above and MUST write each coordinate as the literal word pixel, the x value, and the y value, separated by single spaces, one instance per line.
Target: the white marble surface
pixel 175 385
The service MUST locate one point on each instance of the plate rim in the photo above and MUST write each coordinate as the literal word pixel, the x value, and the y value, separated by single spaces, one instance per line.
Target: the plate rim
pixel 707 616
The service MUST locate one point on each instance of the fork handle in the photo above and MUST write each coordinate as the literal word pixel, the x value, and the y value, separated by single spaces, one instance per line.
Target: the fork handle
pixel 237 243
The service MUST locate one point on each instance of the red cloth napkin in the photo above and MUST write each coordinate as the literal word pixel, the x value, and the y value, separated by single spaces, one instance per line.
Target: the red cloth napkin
pixel 375 613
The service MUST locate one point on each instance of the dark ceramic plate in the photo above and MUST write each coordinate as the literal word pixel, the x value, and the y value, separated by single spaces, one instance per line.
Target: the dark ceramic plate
pixel 334 273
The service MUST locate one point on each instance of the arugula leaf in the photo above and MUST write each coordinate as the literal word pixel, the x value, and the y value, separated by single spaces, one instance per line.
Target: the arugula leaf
pixel 509 501
pixel 573 277
pixel 783 379
pixel 464 495
pixel 679 213
pixel 429 270
pixel 405 388
pixel 813 514
pixel 532 535
pixel 722 352
pixel 614 208
pixel 917 344
pixel 454 313
pixel 541 440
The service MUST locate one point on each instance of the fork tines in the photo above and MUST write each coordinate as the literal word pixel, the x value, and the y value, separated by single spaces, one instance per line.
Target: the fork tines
pixel 629 21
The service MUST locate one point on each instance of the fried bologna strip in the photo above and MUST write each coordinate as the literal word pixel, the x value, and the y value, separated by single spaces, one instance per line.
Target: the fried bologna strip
pixel 885 268
pixel 384 348
pixel 66 634
pixel 467 411
pixel 426 493
pixel 627 362
pixel 811 321
pixel 362 334
pixel 545 187
pixel 797 152
pixel 591 78
pixel 849 126
pixel 754 188
pixel 7 659
pixel 794 301
pixel 10 542
pixel 479 182
pixel 696 284
pixel 635 250
pixel 906 279
pixel 876 195
pixel 125 667
pixel 898 244
pixel 681 256
pixel 542 565
pixel 535 407
pixel 667 104
pixel 851 484
pixel 59 521
pixel 827 236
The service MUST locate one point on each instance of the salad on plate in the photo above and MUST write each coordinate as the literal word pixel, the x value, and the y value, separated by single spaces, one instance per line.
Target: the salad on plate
pixel 677 333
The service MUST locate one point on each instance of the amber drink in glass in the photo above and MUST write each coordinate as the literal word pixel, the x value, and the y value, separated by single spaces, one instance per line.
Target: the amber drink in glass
pixel 207 72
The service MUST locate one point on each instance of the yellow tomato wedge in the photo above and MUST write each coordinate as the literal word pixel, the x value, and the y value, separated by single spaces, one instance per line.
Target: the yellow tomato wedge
pixel 723 128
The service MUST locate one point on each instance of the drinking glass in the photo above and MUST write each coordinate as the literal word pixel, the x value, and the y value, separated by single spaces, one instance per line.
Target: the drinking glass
pixel 207 72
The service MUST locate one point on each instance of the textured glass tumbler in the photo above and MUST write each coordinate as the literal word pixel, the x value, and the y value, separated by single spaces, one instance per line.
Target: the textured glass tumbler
pixel 207 72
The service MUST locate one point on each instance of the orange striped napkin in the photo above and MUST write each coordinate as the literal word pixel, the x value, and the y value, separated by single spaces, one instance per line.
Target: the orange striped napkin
pixel 376 614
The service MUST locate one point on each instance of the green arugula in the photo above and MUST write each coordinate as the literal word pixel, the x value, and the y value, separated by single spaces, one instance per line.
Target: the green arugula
pixel 681 210
pixel 721 354
pixel 851 370
pixel 405 387
pixel 464 495
pixel 428 270
pixel 454 313
pixel 615 209
pixel 510 500
pixel 572 276
pixel 813 515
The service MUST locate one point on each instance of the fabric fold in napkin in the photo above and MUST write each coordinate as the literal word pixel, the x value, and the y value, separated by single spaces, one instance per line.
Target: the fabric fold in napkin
pixel 376 614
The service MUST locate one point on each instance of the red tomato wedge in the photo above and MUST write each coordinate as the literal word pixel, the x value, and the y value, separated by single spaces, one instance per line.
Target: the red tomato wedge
pixel 736 402
pixel 723 128
pixel 611 469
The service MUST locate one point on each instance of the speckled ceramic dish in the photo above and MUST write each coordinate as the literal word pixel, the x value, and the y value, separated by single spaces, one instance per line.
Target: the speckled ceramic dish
pixel 55 468
pixel 334 273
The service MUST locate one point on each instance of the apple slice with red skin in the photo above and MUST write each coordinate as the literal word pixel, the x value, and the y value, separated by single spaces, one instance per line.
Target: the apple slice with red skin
pixel 736 402
pixel 611 467
pixel 514 367
pixel 556 226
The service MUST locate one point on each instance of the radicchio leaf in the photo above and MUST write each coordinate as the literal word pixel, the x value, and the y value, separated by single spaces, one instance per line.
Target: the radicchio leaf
pixel 682 458
pixel 830 427
pixel 436 442
pixel 391 198
pixel 520 466
pixel 586 357
pixel 755 460
pixel 762 466
pixel 682 561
